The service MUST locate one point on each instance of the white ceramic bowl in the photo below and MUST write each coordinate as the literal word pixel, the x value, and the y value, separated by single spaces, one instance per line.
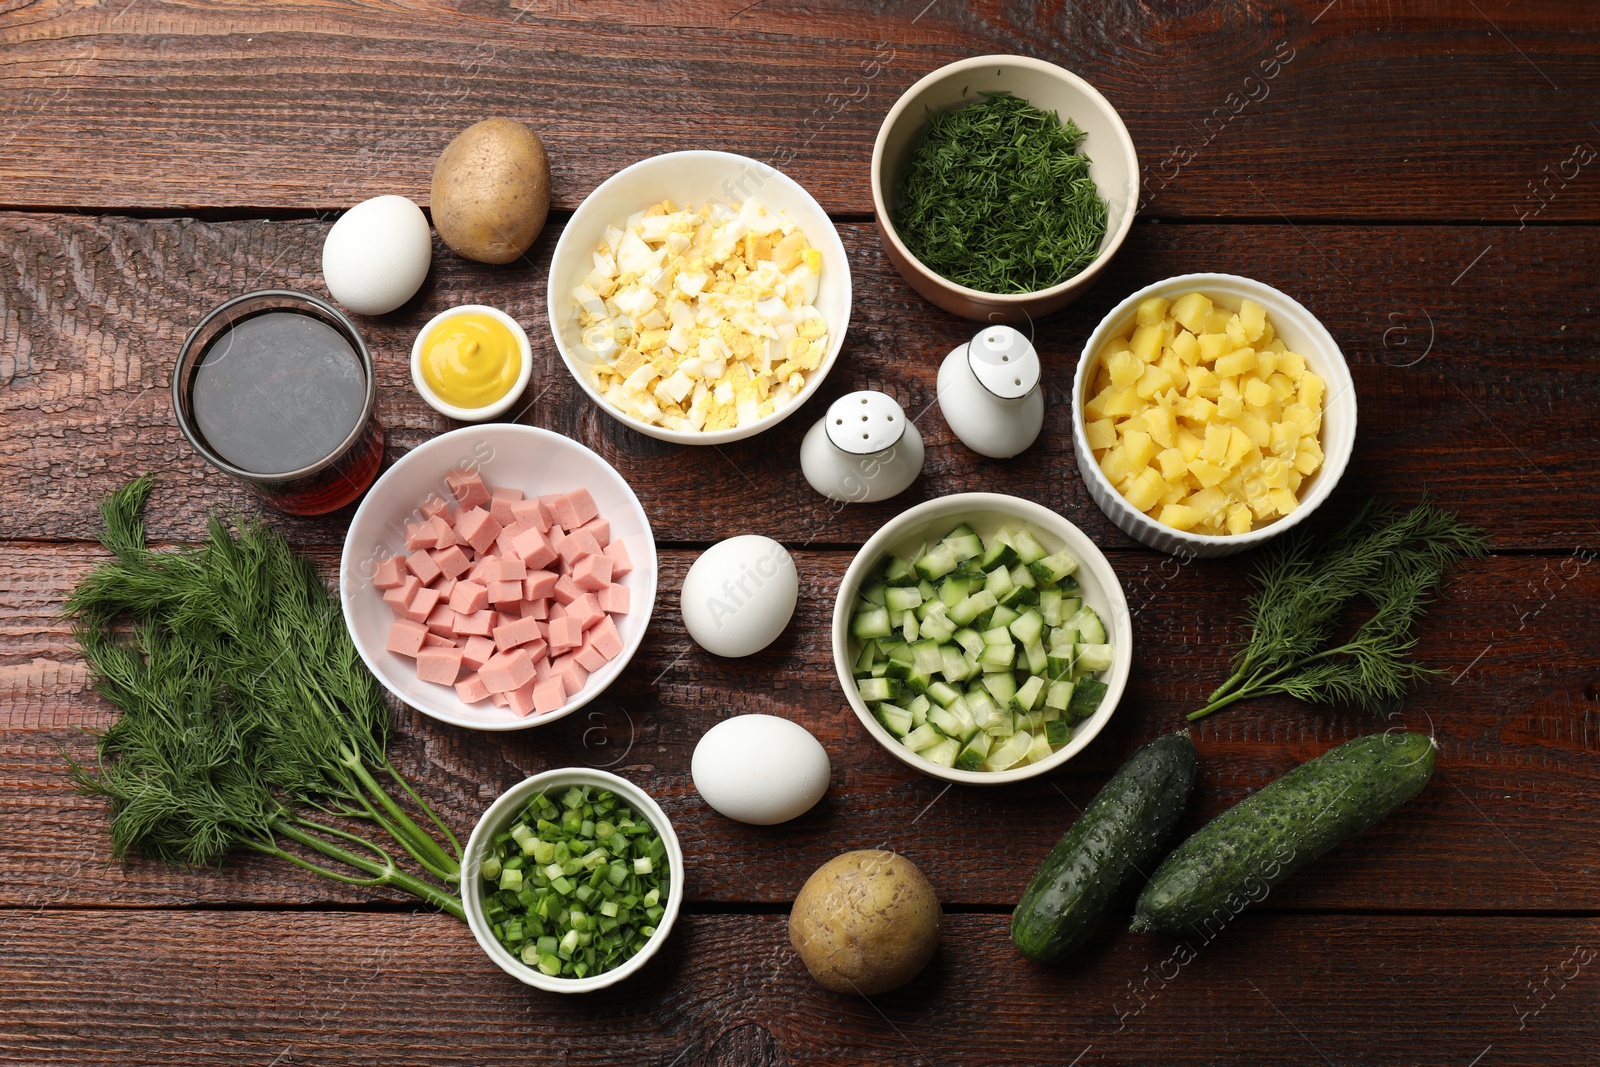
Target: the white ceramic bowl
pixel 502 812
pixel 690 179
pixel 986 513
pixel 488 411
pixel 1302 332
pixel 506 454
pixel 1113 164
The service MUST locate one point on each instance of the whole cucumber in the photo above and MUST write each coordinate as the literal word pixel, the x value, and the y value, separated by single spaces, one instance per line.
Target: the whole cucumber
pixel 1120 834
pixel 1235 859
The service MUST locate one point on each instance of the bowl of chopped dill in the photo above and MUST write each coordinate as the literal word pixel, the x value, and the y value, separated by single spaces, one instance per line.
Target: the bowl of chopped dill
pixel 572 880
pixel 1002 186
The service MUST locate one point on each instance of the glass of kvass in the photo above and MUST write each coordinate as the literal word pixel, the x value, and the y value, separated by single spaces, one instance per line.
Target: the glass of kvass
pixel 277 389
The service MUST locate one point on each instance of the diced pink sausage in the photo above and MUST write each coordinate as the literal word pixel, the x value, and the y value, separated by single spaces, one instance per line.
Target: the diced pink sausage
pixel 606 639
pixel 504 545
pixel 468 488
pixel 476 652
pixel 421 535
pixel 422 605
pixel 586 611
pixel 422 565
pixel 499 700
pixel 434 640
pixel 405 637
pixel 570 671
pixel 599 529
pixel 576 508
pixel 435 505
pixel 533 548
pixel 520 700
pixel 539 584
pixel 471 689
pixel 532 514
pixel 521 632
pixel 441 620
pixel 558 610
pixel 535 609
pixel 621 564
pixel 505 593
pixel 506 671
pixel 575 546
pixel 592 573
pixel 480 571
pixel 469 597
pixel 479 623
pixel 565 591
pixel 565 634
pixel 549 695
pixel 399 598
pixel 614 599
pixel 478 529
pixel 446 587
pixel 500 501
pixel 510 569
pixel 439 665
pixel 589 657
pixel 452 562
pixel 390 573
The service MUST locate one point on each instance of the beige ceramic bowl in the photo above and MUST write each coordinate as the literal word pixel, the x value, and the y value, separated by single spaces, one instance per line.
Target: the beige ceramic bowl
pixel 1113 165
pixel 1302 332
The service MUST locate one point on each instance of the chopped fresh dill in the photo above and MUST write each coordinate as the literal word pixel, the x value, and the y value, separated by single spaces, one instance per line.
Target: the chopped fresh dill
pixel 998 198
pixel 1306 588
pixel 244 710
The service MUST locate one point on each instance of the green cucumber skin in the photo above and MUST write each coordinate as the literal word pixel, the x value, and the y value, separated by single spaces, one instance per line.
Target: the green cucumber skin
pixel 1236 858
pixel 1119 835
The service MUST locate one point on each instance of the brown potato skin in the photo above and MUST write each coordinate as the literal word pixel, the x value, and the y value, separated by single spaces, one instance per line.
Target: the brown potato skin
pixel 491 191
pixel 865 922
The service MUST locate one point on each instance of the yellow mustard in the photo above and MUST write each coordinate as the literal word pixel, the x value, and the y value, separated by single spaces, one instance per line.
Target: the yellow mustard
pixel 471 360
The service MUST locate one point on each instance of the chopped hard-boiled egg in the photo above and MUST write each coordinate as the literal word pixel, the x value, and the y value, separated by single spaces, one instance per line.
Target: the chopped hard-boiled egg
pixel 703 320
pixel 1202 418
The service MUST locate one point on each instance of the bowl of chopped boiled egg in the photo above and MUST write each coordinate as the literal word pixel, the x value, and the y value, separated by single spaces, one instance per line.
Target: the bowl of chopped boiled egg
pixel 1211 413
pixel 699 297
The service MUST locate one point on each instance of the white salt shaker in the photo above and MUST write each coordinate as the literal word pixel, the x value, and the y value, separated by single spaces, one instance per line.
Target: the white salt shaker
pixel 989 392
pixel 863 449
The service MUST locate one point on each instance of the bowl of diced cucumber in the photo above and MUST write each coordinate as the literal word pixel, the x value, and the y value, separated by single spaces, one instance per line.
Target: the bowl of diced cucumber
pixel 982 638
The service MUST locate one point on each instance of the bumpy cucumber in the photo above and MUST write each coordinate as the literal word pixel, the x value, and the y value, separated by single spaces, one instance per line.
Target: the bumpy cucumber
pixel 1122 832
pixel 1235 859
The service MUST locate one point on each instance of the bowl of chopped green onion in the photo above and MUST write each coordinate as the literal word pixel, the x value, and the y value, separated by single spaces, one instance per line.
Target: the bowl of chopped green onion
pixel 1002 186
pixel 572 880
pixel 981 638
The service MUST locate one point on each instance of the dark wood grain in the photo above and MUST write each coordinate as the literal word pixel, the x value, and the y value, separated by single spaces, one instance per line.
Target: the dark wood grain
pixel 1479 390
pixel 1511 822
pixel 341 988
pixel 1379 111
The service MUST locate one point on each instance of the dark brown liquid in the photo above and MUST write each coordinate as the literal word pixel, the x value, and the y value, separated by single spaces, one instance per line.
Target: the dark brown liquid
pixel 278 392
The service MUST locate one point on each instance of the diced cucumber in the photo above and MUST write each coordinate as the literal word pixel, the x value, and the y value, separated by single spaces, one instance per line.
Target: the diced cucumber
pixel 923 737
pixel 974 752
pixel 908 626
pixel 1091 631
pixel 1003 616
pixel 868 657
pixel 876 594
pixel 971 607
pixel 999 552
pixel 953 591
pixel 998 657
pixel 899 572
pixel 1055 567
pixel 1050 606
pixel 1059 662
pixel 955 664
pixel 918 707
pixel 1028 694
pixel 944 753
pixel 1027 628
pixel 964 543
pixel 1058 732
pixel 956 721
pixel 938 628
pixel 926 657
pixel 1038 659
pixel 874 690
pixel 896 720
pixel 1028 546
pixel 1086 697
pixel 971 641
pixel 1021 576
pixel 1002 687
pixel 1094 658
pixel 902 598
pixel 999 582
pixel 1040 748
pixel 937 561
pixel 1059 695
pixel 1010 752
pixel 874 622
pixel 942 693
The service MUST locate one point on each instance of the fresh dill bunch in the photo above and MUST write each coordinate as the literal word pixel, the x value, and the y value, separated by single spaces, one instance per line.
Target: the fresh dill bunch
pixel 998 198
pixel 1306 590
pixel 243 704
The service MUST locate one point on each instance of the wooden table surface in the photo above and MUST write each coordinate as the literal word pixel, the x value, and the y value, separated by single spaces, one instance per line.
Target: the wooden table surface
pixel 1420 175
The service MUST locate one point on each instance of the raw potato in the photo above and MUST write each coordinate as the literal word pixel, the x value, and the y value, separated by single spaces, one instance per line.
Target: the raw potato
pixel 865 922
pixel 491 191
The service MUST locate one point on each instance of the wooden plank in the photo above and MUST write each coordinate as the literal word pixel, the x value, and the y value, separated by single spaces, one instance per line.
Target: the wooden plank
pixel 1277 990
pixel 1480 390
pixel 1511 821
pixel 1314 110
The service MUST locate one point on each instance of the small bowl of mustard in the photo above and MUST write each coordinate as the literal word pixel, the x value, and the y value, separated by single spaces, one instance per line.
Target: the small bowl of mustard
pixel 471 362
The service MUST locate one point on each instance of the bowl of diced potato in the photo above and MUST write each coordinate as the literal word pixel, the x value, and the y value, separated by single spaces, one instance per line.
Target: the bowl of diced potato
pixel 1211 412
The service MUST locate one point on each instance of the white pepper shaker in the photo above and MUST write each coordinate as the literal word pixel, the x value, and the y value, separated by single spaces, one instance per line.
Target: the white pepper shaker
pixel 863 449
pixel 989 392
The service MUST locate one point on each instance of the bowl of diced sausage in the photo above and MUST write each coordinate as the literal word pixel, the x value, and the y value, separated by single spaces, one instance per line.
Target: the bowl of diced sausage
pixel 498 577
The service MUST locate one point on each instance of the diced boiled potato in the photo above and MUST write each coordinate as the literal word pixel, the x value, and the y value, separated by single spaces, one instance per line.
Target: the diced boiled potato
pixel 1236 331
pixel 1188 443
pixel 1173 465
pixel 1259 393
pixel 1239 361
pixel 1139 450
pixel 1180 517
pixel 1187 348
pixel 1199 409
pixel 1193 311
pixel 1208 475
pixel 1311 390
pixel 1266 364
pixel 1121 403
pixel 1239 446
pixel 1258 429
pixel 1146 342
pixel 1153 381
pixel 1253 318
pixel 1285 440
pixel 1163 425
pixel 1283 500
pixel 1102 433
pixel 1213 346
pixel 1126 368
pixel 1095 407
pixel 1229 407
pixel 1147 489
pixel 1173 495
pixel 1292 363
pixel 1215 450
pixel 1239 519
pixel 1114 466
pixel 1152 310
pixel 1217 321
pixel 1282 388
pixel 1204 382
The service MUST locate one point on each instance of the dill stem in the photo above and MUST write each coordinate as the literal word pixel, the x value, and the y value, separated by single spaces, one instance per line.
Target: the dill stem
pixel 384 874
pixel 413 838
pixel 455 843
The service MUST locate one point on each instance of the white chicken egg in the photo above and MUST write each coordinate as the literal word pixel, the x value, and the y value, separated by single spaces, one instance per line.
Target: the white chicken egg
pixel 376 256
pixel 739 595
pixel 760 769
